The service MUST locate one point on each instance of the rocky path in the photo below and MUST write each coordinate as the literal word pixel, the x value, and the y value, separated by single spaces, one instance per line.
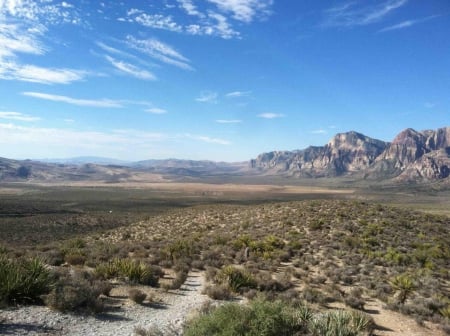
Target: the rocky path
pixel 169 314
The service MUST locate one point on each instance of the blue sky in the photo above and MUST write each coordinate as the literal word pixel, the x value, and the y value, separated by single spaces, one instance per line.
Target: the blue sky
pixel 216 79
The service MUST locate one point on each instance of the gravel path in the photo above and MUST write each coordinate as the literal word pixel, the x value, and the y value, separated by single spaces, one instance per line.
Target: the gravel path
pixel 171 313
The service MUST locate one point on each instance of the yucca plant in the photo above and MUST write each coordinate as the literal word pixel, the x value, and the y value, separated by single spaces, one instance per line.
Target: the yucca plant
pixel 23 280
pixel 405 286
pixel 445 312
pixel 235 278
pixel 341 323
pixel 133 271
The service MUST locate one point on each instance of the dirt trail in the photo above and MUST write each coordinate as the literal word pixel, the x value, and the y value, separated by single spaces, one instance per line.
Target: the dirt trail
pixel 391 323
pixel 170 314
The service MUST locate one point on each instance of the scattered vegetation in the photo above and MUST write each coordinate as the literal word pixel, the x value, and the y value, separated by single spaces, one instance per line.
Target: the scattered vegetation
pixel 318 251
pixel 267 318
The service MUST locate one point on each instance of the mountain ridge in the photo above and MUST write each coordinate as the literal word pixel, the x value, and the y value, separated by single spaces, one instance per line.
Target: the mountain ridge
pixel 412 157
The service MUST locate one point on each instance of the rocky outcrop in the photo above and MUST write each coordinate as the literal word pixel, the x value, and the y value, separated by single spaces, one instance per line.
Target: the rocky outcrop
pixel 411 156
pixel 345 153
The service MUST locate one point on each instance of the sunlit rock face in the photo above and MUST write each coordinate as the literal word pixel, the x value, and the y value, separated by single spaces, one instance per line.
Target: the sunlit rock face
pixel 412 155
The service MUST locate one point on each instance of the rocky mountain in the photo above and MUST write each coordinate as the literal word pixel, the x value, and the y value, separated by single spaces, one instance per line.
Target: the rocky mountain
pixel 345 153
pixel 416 155
pixel 411 156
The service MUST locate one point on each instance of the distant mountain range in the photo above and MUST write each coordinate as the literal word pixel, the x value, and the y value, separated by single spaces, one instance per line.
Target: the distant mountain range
pixel 411 157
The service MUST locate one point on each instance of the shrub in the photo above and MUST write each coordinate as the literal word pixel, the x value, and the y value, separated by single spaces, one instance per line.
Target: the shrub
pixel 23 280
pixel 179 280
pixel 133 271
pixel 235 278
pixel 260 318
pixel 218 292
pixel 342 323
pixel 137 295
pixel 405 286
pixel 74 294
pixel 75 259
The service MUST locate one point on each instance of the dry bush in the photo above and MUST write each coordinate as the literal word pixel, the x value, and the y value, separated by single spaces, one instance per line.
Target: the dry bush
pixel 137 295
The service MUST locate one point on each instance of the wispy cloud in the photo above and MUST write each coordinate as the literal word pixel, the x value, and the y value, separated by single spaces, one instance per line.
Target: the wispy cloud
pixel 213 20
pixel 207 139
pixel 18 39
pixel 228 121
pixel 244 10
pixel 190 8
pixel 215 25
pixel 207 97
pixel 270 115
pixel 429 105
pixel 319 131
pixel 157 21
pixel 156 110
pixel 160 51
pixel 44 12
pixel 237 94
pixel 102 103
pixel 356 13
pixel 15 39
pixel 407 23
pixel 131 69
pixel 17 116
pixel 63 141
pixel 36 74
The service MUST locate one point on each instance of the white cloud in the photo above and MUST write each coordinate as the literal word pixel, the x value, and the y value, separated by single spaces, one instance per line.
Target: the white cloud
pixel 190 8
pixel 407 24
pixel 237 94
pixel 102 103
pixel 207 97
pixel 222 27
pixel 66 142
pixel 156 110
pixel 215 25
pixel 131 69
pixel 35 74
pixel 319 131
pixel 228 121
pixel 270 115
pixel 355 13
pixel 244 10
pixel 207 139
pixel 42 11
pixel 158 21
pixel 18 39
pixel 160 51
pixel 17 116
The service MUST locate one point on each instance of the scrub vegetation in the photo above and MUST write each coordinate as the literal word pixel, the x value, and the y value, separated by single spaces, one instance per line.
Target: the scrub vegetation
pixel 295 261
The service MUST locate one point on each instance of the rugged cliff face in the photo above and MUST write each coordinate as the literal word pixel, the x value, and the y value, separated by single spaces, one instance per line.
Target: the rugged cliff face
pixel 412 156
pixel 345 153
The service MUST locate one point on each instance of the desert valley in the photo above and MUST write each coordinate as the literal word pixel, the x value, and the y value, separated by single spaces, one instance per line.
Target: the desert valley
pixel 351 238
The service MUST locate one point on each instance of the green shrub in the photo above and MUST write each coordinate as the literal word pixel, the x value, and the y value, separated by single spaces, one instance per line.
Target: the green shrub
pixel 341 323
pixel 133 271
pixel 405 286
pixel 235 278
pixel 23 280
pixel 259 318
